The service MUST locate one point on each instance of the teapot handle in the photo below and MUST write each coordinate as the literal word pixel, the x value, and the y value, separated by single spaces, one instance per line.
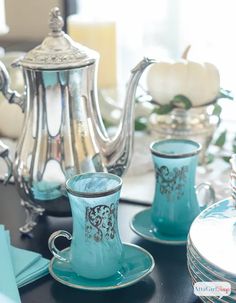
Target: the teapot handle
pixel 11 95
pixel 4 153
pixel 206 187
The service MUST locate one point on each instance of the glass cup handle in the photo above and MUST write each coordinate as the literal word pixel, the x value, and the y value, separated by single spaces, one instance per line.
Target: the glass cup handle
pixel 209 188
pixel 51 243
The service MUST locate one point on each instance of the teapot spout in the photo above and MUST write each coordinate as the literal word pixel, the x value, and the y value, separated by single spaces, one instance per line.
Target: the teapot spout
pixel 119 150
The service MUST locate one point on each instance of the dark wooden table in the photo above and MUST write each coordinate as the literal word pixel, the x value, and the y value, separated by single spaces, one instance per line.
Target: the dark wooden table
pixel 168 283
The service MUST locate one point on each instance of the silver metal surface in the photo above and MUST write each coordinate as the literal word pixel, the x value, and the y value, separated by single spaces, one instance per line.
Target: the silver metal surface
pixel 32 213
pixel 11 95
pixel 4 153
pixel 58 50
pixel 63 132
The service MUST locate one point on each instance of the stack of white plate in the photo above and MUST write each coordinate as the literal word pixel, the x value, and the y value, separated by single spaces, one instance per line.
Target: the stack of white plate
pixel 211 248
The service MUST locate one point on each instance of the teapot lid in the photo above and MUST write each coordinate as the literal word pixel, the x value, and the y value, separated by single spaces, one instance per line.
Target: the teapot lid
pixel 58 50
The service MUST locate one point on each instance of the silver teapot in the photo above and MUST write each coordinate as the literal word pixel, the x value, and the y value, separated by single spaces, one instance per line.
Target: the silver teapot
pixel 63 132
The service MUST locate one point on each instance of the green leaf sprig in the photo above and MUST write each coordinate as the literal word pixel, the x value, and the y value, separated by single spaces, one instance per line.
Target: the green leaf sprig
pixel 220 141
pixel 225 93
pixel 179 101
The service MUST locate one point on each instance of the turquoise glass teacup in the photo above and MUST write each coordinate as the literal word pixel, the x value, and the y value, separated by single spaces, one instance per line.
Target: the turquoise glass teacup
pixel 96 250
pixel 175 203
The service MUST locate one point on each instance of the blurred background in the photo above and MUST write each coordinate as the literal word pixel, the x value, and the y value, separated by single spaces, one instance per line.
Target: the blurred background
pixel 126 30
pixel 159 28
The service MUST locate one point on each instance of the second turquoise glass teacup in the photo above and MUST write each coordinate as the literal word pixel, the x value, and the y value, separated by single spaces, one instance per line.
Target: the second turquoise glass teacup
pixel 96 250
pixel 175 203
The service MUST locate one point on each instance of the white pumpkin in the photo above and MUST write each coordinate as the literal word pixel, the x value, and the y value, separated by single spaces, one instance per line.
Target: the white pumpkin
pixel 199 82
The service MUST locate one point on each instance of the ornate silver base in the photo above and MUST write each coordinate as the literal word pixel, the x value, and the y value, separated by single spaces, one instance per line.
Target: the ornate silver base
pixel 32 214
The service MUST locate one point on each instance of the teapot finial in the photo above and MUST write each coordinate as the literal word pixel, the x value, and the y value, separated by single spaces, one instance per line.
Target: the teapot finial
pixel 56 22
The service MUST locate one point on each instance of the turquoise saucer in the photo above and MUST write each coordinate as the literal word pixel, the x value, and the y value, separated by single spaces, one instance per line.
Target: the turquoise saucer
pixel 137 264
pixel 142 225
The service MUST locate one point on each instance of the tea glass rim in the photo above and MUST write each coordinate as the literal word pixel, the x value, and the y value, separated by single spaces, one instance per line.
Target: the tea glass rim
pixel 94 194
pixel 177 155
